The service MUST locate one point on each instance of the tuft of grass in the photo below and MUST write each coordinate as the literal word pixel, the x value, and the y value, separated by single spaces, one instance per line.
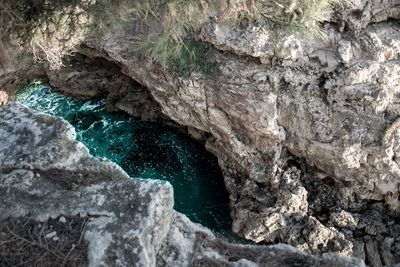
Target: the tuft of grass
pixel 295 16
pixel 23 242
pixel 183 58
pixel 179 18
pixel 106 14
pixel 196 57
pixel 176 20
pixel 48 28
pixel 312 14
pixel 51 28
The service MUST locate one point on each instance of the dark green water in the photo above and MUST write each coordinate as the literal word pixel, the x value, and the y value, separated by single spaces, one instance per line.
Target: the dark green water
pixel 145 150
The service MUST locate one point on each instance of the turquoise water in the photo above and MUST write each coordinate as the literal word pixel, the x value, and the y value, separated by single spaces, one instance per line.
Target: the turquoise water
pixel 145 150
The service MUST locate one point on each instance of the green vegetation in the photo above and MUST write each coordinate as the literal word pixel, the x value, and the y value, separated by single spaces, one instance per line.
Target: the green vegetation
pixel 27 90
pixel 196 57
pixel 170 23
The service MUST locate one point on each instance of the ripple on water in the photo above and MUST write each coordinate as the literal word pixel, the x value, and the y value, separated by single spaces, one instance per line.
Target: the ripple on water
pixel 146 150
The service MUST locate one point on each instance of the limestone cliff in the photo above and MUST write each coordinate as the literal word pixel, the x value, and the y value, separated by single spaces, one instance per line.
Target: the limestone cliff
pixel 306 131
pixel 130 222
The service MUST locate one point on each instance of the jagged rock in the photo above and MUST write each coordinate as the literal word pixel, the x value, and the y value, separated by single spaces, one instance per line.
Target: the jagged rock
pixel 188 242
pixel 372 253
pixel 320 237
pixel 124 215
pixel 344 219
pixel 331 104
pixel 130 222
pixel 86 78
pixel 13 80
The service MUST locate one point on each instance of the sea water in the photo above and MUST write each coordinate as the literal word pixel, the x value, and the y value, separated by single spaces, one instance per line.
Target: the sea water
pixel 148 150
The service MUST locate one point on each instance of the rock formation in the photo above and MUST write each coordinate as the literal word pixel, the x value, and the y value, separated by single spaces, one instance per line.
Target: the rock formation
pixel 306 131
pixel 131 222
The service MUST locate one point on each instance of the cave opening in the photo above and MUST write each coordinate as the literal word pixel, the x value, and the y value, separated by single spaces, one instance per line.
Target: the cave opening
pixel 147 150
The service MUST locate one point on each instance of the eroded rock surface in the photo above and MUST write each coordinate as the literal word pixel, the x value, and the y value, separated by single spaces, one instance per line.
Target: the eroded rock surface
pixel 130 222
pixel 86 78
pixel 306 131
pixel 331 105
pixel 125 214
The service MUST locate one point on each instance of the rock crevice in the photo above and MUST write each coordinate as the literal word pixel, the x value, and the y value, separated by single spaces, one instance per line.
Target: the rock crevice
pixel 329 103
pixel 128 222
pixel 330 106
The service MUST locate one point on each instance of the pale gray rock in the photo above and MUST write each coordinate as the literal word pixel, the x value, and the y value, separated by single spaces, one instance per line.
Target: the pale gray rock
pixel 124 215
pixel 330 105
pixel 188 242
pixel 306 131
pixel 131 222
pixel 344 219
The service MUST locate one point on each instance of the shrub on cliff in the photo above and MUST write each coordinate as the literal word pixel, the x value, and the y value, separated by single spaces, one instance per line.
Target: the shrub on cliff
pixel 48 28
pixel 52 28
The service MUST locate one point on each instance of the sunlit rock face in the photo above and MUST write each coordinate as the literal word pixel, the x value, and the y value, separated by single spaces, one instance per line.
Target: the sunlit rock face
pixel 3 98
pixel 306 131
pixel 39 153
pixel 283 119
pixel 130 222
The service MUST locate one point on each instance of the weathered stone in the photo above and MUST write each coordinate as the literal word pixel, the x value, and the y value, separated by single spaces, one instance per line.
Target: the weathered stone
pixel 125 215
pixel 189 243
pixel 330 106
pixel 371 249
pixel 131 222
pixel 14 79
pixel 344 219
pixel 86 78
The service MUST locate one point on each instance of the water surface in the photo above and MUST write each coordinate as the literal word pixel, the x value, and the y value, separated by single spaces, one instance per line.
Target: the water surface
pixel 145 150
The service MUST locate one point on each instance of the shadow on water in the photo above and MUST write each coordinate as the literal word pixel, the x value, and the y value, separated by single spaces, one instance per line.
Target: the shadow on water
pixel 146 150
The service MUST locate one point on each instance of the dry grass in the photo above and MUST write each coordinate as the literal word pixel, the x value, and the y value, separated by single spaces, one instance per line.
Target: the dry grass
pixel 179 18
pixel 73 180
pixel 52 28
pixel 26 242
pixel 48 28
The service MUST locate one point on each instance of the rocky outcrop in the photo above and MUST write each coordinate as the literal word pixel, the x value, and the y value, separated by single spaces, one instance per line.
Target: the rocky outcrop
pixel 284 116
pixel 85 78
pixel 306 131
pixel 130 222
pixel 13 80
